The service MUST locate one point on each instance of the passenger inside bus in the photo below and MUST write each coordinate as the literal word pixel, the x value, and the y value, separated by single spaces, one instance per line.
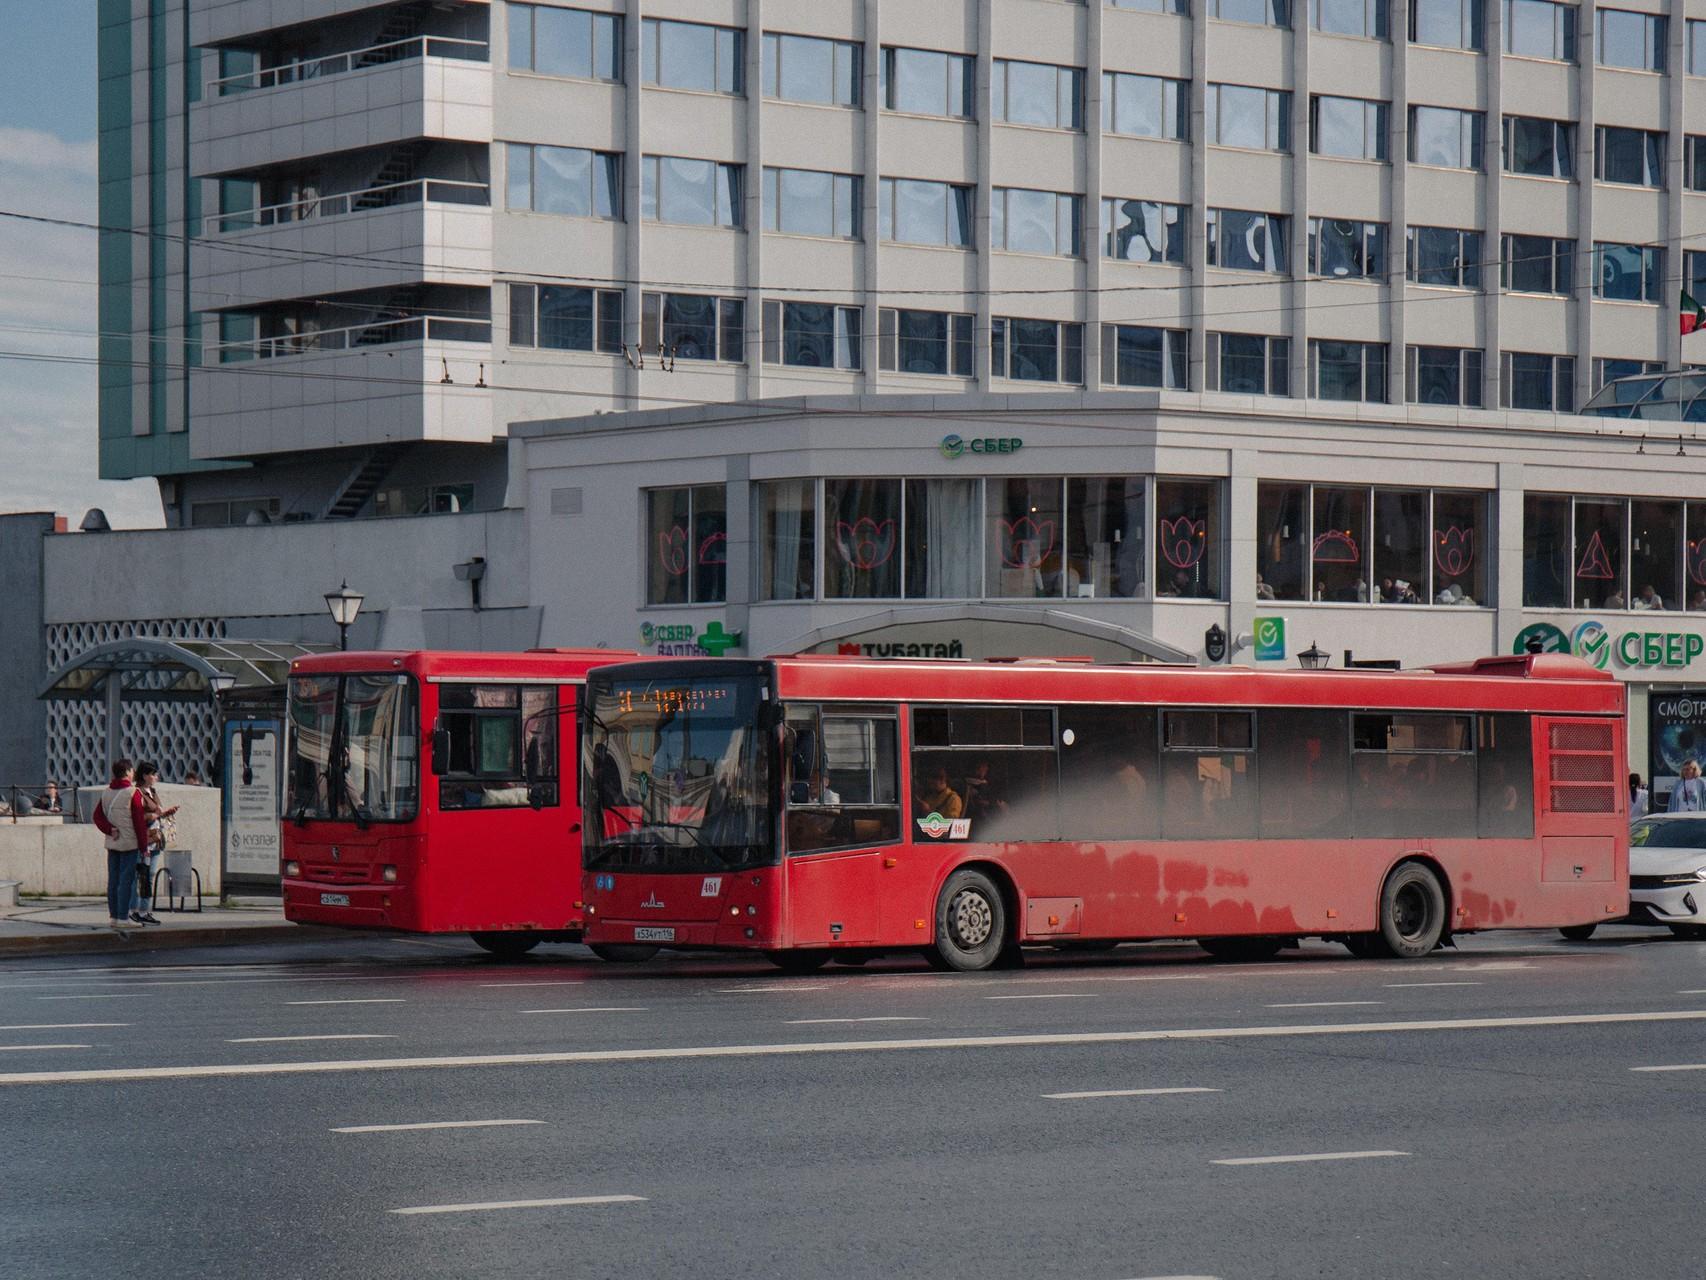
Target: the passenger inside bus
pixel 934 795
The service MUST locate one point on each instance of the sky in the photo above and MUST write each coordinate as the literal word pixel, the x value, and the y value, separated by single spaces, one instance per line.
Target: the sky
pixel 48 427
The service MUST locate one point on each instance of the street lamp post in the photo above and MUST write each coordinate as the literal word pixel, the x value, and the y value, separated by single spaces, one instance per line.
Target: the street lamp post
pixel 344 605
pixel 1314 658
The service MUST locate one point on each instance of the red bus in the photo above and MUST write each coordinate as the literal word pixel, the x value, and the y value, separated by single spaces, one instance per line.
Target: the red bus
pixel 489 846
pixel 816 807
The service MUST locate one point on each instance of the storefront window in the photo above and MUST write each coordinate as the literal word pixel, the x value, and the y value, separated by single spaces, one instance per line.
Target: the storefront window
pixel 942 555
pixel 1339 549
pixel 687 541
pixel 1546 551
pixel 1104 543
pixel 1187 535
pixel 1655 567
pixel 1459 562
pixel 1400 546
pixel 1694 557
pixel 861 521
pixel 1281 518
pixel 787 547
pixel 1026 533
pixel 1599 557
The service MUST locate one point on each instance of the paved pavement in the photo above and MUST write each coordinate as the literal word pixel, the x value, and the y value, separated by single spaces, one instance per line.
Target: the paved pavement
pixel 401 1106
pixel 65 926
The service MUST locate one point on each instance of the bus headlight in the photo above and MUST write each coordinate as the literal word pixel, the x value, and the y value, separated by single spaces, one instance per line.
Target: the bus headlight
pixel 388 875
pixel 293 869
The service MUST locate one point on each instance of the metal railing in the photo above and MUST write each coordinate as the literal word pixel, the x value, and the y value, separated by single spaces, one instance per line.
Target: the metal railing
pixel 355 337
pixel 337 64
pixel 312 207
pixel 33 800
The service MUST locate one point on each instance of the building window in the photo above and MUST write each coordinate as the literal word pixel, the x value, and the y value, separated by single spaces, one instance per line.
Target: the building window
pixel 692 326
pixel 1345 250
pixel 1694 272
pixel 810 202
pixel 1143 231
pixel 1537 264
pixel 927 342
pixel 693 193
pixel 1446 137
pixel 914 211
pixel 862 539
pixel 1444 375
pixel 1241 240
pixel 1632 156
pixel 1347 370
pixel 1181 7
pixel 1261 13
pixel 561 318
pixel 787 542
pixel 1242 116
pixel 1051 537
pixel 1539 148
pixel 688 545
pixel 1540 29
pixel 1350 18
pixel 424 500
pixel 812 335
pixel 566 180
pixel 1610 369
pixel 925 83
pixel 1613 553
pixel 691 55
pixel 1145 356
pixel 1248 364
pixel 1024 221
pixel 1635 41
pixel 1448 24
pixel 1696 47
pixel 1145 106
pixel 1036 350
pixel 809 69
pixel 1694 162
pixel 1629 272
pixel 1528 380
pixel 229 511
pixel 1443 256
pixel 1189 528
pixel 1037 93
pixel 1351 128
pixel 565 42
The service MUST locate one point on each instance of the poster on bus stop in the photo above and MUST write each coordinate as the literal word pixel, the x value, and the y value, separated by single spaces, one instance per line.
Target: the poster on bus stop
pixel 251 800
pixel 1676 732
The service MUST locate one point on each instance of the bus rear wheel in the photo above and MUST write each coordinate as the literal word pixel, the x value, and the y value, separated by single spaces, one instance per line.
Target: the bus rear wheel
pixel 971 923
pixel 1242 950
pixel 1578 932
pixel 1412 912
pixel 623 952
pixel 799 961
pixel 506 946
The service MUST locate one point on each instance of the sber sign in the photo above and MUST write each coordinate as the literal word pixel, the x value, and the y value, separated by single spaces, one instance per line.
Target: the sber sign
pixel 1593 643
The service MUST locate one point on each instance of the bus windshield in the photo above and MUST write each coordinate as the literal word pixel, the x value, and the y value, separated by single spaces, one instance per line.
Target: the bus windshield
pixel 354 748
pixel 677 775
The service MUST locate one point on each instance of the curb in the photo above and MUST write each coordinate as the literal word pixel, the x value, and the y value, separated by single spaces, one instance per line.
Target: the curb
pixel 92 941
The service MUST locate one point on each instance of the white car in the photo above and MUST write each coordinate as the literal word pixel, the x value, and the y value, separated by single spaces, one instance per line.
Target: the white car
pixel 1667 872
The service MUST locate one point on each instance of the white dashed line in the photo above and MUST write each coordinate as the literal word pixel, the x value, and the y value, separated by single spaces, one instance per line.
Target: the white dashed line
pixel 1122 1093
pixel 1693 991
pixel 1321 1004
pixel 594 1009
pixel 822 1022
pixel 1681 1066
pixel 25 1048
pixel 288 1039
pixel 61 1026
pixel 1396 985
pixel 519 1204
pixel 104 995
pixel 745 991
pixel 1323 1155
pixel 433 1124
pixel 1048 995
pixel 368 1000
pixel 565 983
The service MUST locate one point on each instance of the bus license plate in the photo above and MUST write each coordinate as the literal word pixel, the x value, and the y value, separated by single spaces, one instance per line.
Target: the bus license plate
pixel 643 934
pixel 334 899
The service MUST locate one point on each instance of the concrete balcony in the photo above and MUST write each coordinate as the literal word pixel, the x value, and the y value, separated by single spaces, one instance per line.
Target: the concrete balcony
pixel 222 21
pixel 427 87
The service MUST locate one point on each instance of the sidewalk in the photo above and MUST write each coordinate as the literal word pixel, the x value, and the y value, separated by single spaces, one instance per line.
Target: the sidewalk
pixel 65 926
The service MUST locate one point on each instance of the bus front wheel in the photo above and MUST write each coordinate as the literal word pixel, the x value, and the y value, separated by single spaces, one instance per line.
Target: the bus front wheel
pixel 506 946
pixel 623 952
pixel 971 923
pixel 1412 912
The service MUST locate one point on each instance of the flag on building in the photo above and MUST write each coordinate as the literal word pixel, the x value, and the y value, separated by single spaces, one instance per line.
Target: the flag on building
pixel 1693 314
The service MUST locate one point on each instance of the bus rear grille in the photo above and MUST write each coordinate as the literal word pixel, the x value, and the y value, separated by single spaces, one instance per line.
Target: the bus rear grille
pixel 1582 769
pixel 1581 737
pixel 1579 799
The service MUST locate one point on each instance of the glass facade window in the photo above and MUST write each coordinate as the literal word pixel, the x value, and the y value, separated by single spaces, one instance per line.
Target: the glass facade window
pixel 941 536
pixel 1655 554
pixel 1037 93
pixel 1036 350
pixel 787 539
pixel 810 69
pixel 1444 375
pixel 1537 264
pixel 1591 552
pixel 1635 157
pixel 695 193
pixel 812 335
pixel 565 42
pixel 1249 364
pixel 1104 537
pixel 1448 24
pixel 926 83
pixel 1242 240
pixel 566 180
pixel 1344 250
pixel 1347 370
pixel 861 554
pixel 1143 231
pixel 811 202
pixel 1145 106
pixel 915 211
pixel 1261 13
pixel 1025 538
pixel 1539 148
pixel 1144 356
pixel 1540 29
pixel 692 55
pixel 1635 41
pixel 1443 256
pixel 1350 128
pixel 1528 380
pixel 1025 221
pixel 1447 137
pixel 1367 18
pixel 562 318
pixel 1610 368
pixel 1629 272
pixel 1243 116
pixel 1601 538
pixel 693 326
pixel 688 539
pixel 927 342
pixel 1189 530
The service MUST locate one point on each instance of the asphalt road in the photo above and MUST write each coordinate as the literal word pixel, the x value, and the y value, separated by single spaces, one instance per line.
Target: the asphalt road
pixel 245 1112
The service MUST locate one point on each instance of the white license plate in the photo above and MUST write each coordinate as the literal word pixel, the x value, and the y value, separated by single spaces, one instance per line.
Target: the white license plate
pixel 334 899
pixel 642 934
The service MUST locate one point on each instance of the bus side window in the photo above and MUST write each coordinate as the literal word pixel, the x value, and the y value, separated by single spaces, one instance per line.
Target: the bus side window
pixel 994 767
pixel 1412 774
pixel 1304 757
pixel 1109 785
pixel 1506 775
pixel 1208 775
pixel 851 797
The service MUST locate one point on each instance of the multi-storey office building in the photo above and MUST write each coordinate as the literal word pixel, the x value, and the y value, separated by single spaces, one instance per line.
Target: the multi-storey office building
pixel 349 242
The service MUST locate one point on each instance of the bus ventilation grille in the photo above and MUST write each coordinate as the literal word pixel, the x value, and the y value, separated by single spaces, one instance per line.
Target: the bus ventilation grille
pixel 1583 770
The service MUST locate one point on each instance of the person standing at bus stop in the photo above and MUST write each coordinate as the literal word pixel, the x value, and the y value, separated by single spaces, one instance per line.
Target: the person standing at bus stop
pixel 159 835
pixel 1689 794
pixel 122 819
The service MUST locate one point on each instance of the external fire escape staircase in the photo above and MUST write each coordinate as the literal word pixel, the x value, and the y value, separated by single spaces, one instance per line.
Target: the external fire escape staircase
pixel 399 167
pixel 401 24
pixel 369 473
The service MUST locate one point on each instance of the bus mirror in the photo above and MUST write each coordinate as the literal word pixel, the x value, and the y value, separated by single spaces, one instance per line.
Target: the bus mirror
pixel 440 750
pixel 535 795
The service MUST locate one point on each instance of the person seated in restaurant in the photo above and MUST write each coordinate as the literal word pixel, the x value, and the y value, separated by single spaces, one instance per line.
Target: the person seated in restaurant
pixel 1264 590
pixel 934 795
pixel 1647 598
pixel 1697 602
pixel 1615 601
pixel 1181 584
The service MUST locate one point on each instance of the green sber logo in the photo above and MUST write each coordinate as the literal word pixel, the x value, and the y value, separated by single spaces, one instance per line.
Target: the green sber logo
pixel 1552 639
pixel 952 446
pixel 1591 642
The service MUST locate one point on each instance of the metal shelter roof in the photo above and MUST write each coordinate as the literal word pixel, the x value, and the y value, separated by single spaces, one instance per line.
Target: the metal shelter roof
pixel 174 670
pixel 1676 396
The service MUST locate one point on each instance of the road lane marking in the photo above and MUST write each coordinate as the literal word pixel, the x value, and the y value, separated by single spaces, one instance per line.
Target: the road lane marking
pixel 1323 1155
pixel 1693 991
pixel 564 983
pixel 104 995
pixel 365 1000
pixel 1320 1004
pixel 25 1048
pixel 61 1026
pixel 1681 1066
pixel 1048 995
pixel 432 1124
pixel 786 986
pixel 123 1075
pixel 1396 985
pixel 1123 1093
pixel 288 1039
pixel 519 1204
pixel 819 1022
pixel 594 1009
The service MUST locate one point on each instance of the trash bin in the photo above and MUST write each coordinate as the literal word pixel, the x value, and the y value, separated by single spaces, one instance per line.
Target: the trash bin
pixel 182 879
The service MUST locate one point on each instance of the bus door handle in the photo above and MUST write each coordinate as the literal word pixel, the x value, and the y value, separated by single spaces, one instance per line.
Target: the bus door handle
pixel 574 827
